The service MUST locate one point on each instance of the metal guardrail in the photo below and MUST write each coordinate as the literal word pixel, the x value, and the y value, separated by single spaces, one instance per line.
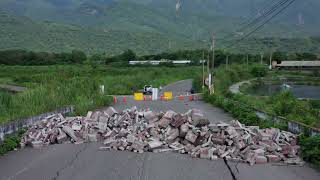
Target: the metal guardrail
pixel 14 126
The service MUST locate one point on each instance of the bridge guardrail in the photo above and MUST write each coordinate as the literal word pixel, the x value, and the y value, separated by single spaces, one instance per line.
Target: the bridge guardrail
pixel 293 126
pixel 14 126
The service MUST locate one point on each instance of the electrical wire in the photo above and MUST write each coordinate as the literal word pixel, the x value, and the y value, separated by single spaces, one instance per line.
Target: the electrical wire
pixel 265 22
pixel 261 18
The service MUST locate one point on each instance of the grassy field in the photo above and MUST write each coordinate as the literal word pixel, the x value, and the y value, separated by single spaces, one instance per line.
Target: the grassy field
pixel 52 87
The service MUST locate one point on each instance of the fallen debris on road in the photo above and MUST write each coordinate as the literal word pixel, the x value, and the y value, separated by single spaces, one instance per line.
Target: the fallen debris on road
pixel 190 133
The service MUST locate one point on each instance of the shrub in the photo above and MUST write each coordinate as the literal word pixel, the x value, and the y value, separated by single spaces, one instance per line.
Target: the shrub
pixel 310 147
pixel 11 142
pixel 316 73
pixel 284 103
pixel 259 71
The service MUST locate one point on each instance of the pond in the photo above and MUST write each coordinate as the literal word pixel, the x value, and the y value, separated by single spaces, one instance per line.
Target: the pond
pixel 299 91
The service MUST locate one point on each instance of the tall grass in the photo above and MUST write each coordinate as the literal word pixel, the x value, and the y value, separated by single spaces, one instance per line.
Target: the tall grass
pixel 83 93
pixel 52 87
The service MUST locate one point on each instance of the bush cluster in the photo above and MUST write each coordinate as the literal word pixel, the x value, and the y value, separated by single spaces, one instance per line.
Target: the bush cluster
pixel 11 142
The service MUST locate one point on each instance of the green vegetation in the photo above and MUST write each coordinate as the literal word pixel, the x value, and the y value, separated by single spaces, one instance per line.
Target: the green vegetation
pixel 11 142
pixel 52 87
pixel 284 104
pixel 238 105
pixel 23 57
pixel 149 26
pixel 23 33
pixel 311 149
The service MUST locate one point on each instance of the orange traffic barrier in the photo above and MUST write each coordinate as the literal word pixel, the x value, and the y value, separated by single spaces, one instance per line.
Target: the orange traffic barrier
pixel 181 97
pixel 191 98
pixel 124 99
pixel 115 99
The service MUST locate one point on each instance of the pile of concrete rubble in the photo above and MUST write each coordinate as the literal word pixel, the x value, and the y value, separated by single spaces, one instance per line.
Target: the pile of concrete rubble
pixel 190 133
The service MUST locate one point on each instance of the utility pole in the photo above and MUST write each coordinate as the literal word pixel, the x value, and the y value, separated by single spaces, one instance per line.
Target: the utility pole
pixel 270 65
pixel 203 69
pixel 213 47
pixel 227 60
pixel 211 79
pixel 208 63
pixel 247 61
pixel 261 60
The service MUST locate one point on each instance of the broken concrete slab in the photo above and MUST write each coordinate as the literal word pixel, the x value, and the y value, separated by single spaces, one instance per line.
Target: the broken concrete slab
pixel 154 144
pixel 111 111
pixel 70 132
pixel 178 120
pixel 171 134
pixel 191 137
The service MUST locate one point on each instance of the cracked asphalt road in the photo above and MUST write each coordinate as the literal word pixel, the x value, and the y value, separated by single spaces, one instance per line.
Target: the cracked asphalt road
pixel 85 161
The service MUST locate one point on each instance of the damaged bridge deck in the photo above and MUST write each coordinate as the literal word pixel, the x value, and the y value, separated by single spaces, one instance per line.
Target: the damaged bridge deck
pixel 85 161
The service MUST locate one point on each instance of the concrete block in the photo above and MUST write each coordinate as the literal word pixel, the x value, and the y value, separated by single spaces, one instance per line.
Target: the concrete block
pixel 184 128
pixel 154 144
pixel 192 137
pixel 178 120
pixel 111 111
pixel 171 134
pixel 261 160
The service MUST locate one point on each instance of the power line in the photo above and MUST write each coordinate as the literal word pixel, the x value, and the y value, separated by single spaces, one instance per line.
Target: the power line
pixel 266 6
pixel 265 22
pixel 261 18
pixel 266 14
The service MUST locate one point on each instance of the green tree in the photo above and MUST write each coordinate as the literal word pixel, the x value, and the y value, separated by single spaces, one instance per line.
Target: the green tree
pixel 259 71
pixel 128 55
pixel 306 56
pixel 78 56
pixel 279 56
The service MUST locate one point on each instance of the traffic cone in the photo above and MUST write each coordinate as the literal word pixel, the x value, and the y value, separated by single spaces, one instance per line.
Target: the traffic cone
pixel 124 99
pixel 191 97
pixel 115 99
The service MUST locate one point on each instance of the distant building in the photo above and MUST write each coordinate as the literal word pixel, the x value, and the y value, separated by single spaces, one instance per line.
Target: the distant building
pixel 157 62
pixel 144 62
pixel 296 65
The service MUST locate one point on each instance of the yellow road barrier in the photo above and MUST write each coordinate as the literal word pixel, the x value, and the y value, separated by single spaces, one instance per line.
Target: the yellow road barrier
pixel 138 96
pixel 168 95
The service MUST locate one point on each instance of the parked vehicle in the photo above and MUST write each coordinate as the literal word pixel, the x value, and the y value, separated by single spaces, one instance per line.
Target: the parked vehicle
pixel 147 90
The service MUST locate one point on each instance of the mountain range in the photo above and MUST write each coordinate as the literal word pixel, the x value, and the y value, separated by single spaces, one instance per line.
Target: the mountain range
pixel 146 26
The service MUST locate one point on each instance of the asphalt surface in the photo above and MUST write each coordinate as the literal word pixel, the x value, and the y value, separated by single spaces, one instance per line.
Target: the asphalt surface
pixel 85 161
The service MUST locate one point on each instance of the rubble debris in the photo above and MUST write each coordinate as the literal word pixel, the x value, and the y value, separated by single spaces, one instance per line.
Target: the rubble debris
pixel 190 133
pixel 190 136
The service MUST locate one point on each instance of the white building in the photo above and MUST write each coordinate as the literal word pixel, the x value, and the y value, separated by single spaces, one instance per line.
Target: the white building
pixel 157 62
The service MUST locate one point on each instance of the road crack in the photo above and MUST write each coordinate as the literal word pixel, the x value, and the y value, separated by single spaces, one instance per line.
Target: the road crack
pixel 142 167
pixel 70 163
pixel 229 168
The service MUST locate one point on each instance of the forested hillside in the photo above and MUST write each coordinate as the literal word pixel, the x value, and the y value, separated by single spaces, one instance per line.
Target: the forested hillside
pixel 151 26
